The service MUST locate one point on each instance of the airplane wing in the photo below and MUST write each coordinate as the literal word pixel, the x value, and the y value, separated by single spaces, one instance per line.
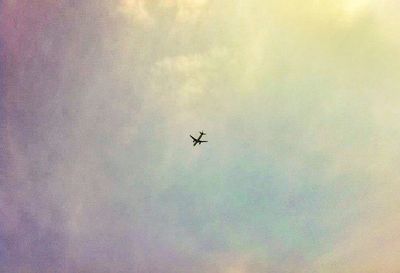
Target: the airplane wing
pixel 201 141
pixel 193 138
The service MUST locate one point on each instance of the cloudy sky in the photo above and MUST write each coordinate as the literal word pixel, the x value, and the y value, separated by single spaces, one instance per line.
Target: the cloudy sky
pixel 300 101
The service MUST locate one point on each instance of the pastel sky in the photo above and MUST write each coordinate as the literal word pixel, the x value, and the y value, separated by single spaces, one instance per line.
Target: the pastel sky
pixel 300 101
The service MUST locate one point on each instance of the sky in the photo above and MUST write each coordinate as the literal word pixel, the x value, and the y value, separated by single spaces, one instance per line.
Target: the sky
pixel 300 102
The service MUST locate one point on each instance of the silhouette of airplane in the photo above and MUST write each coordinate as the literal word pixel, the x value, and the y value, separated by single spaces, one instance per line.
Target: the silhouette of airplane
pixel 198 141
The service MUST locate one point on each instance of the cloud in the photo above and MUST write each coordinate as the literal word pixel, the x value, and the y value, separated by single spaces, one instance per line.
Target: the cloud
pixel 137 10
pixel 299 103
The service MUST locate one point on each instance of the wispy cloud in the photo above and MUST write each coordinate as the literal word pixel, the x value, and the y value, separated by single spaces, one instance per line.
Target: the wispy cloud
pixel 299 102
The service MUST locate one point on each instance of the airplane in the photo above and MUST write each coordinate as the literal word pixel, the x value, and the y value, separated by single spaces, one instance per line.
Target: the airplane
pixel 198 141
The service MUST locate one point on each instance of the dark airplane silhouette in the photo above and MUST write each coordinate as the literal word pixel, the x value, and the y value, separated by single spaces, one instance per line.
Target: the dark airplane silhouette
pixel 195 141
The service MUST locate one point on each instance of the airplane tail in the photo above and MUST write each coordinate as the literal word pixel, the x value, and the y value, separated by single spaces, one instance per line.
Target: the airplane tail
pixel 202 133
